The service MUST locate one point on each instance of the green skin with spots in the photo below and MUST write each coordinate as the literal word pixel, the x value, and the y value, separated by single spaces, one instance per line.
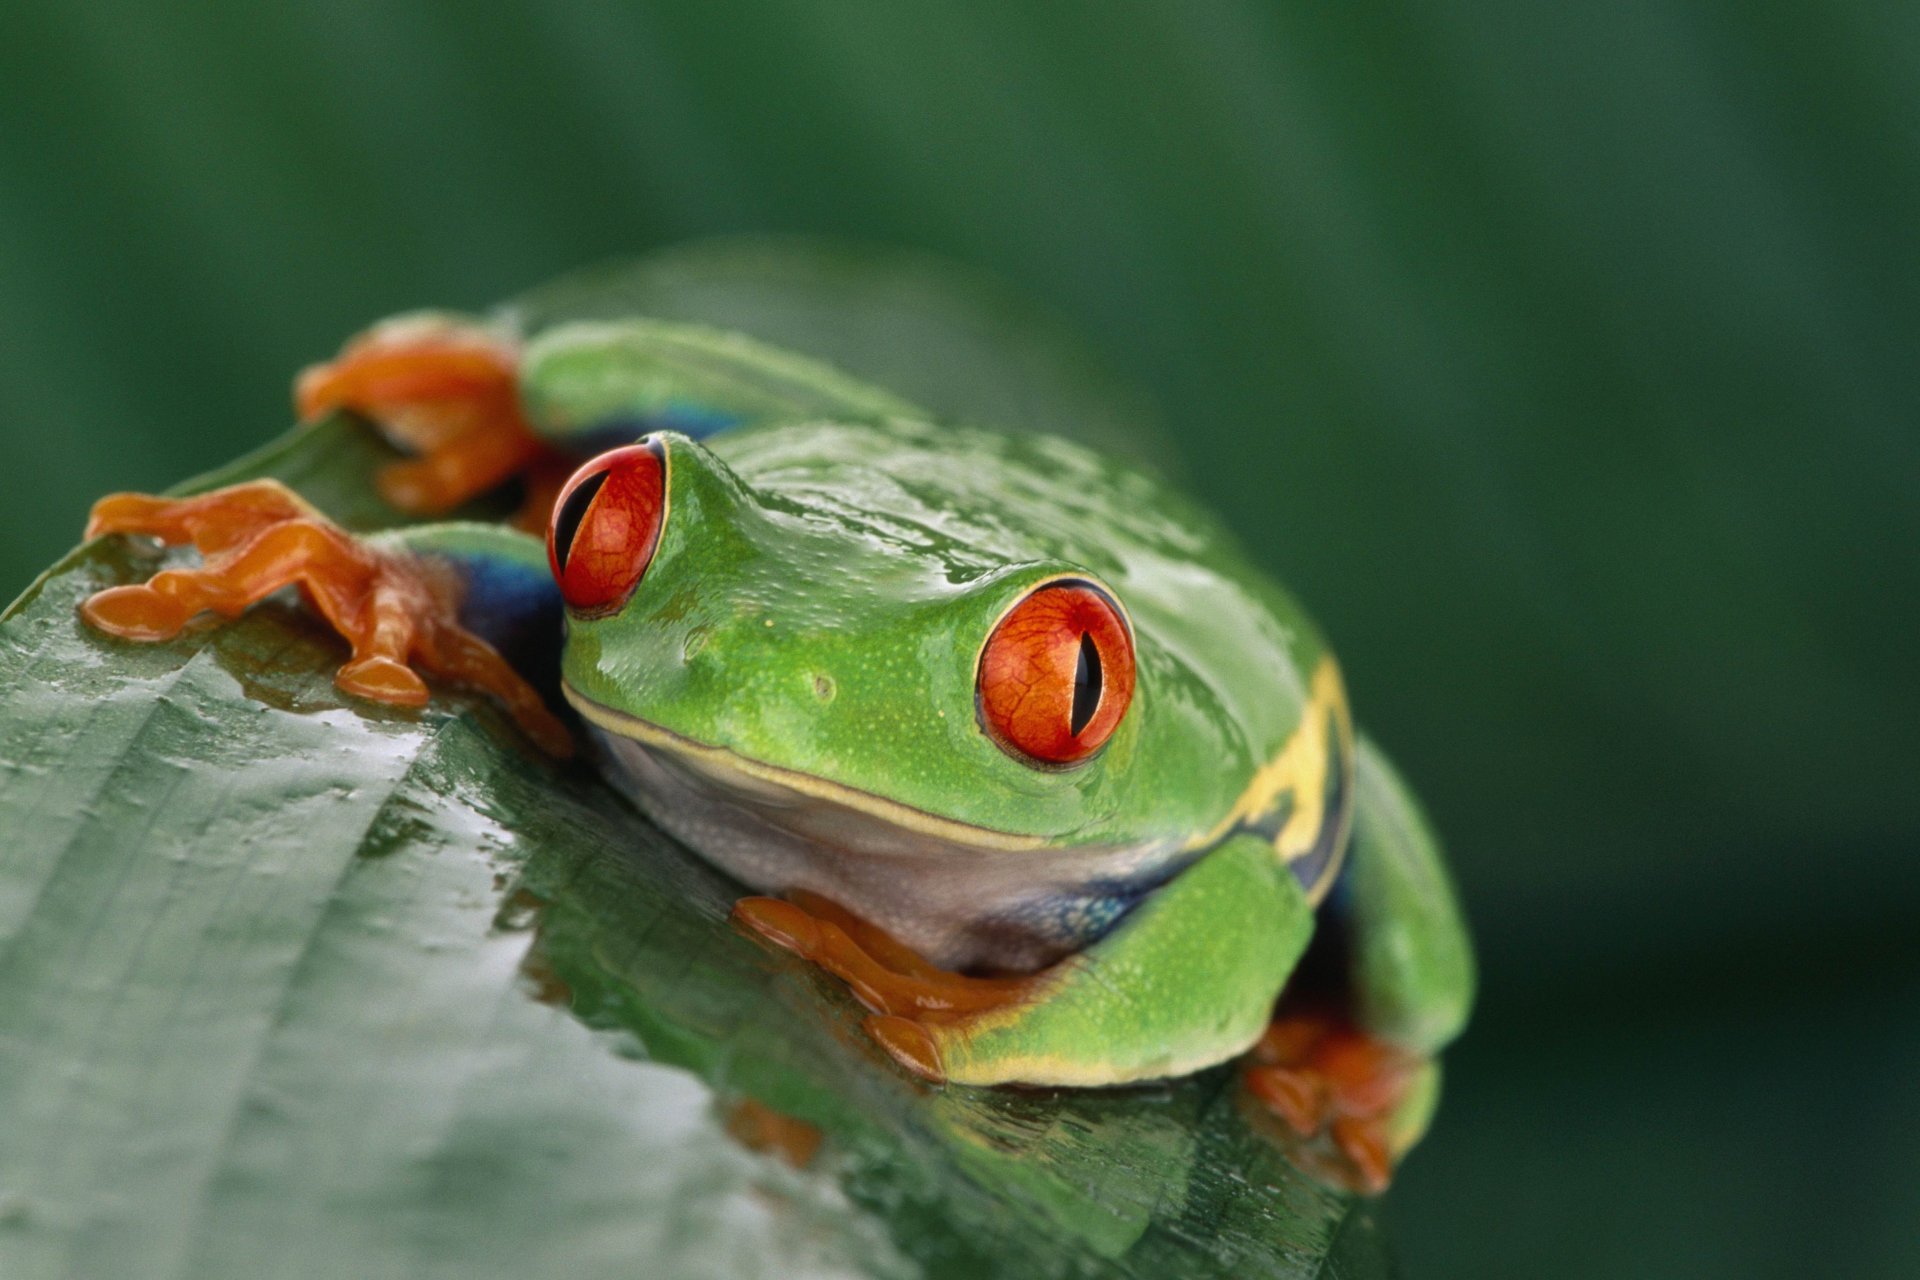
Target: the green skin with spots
pixel 829 568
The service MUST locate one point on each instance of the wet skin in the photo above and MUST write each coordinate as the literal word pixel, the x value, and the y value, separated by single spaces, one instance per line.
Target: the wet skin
pixel 1061 785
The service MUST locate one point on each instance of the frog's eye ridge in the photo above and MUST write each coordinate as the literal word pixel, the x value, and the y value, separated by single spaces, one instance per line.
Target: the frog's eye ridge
pixel 1056 675
pixel 606 525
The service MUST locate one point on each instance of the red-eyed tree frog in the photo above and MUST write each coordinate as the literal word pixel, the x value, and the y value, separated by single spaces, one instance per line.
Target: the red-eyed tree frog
pixel 1019 744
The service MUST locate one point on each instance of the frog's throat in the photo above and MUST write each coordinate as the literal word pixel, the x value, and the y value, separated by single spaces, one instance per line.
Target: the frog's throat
pixel 962 896
pixel 720 760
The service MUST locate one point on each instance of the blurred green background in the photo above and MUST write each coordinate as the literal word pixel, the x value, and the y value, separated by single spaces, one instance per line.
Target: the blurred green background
pixel 1562 357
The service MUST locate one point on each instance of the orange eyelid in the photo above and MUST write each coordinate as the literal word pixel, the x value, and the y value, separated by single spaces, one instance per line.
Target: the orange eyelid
pixel 600 540
pixel 1036 684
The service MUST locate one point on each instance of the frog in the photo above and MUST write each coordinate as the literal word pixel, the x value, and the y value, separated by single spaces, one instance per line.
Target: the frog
pixel 1003 734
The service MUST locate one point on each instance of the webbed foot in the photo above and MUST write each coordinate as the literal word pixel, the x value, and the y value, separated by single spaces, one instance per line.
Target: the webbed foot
pixel 398 611
pixel 915 1006
pixel 1331 1082
pixel 448 390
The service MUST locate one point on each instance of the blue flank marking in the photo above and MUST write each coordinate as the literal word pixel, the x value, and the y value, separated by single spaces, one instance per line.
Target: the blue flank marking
pixel 697 421
pixel 1312 868
pixel 1339 899
pixel 694 420
pixel 1079 919
pixel 510 604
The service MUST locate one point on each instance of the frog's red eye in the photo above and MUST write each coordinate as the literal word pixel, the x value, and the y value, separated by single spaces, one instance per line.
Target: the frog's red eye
pixel 605 526
pixel 1057 674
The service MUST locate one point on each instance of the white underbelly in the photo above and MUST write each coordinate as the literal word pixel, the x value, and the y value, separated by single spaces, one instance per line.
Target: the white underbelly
pixel 960 906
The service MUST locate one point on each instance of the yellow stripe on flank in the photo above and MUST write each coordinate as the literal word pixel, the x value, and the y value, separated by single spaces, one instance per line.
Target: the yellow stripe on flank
pixel 1315 745
pixel 1299 769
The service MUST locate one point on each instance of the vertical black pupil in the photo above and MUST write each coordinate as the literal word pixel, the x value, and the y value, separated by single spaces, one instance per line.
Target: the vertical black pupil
pixel 1086 685
pixel 572 513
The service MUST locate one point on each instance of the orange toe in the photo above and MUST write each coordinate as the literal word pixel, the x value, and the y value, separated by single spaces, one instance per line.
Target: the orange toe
pixel 135 612
pixel 781 923
pixel 1294 1096
pixel 1364 1143
pixel 129 511
pixel 383 679
pixel 910 1044
pixel 1337 1089
pixel 1366 1075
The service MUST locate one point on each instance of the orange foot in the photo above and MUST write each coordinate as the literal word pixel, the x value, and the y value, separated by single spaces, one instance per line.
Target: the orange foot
pixel 903 991
pixel 448 391
pixel 758 1127
pixel 255 538
pixel 1327 1079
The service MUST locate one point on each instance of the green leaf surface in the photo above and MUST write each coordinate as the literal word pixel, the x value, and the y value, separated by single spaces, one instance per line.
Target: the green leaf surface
pixel 296 986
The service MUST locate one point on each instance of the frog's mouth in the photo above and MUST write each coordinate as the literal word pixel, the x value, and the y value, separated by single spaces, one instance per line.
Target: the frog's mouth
pixel 763 786
pixel 945 888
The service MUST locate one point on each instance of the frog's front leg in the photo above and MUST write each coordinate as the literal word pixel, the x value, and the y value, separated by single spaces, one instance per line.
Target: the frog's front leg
pixel 1353 1059
pixel 882 972
pixel 1187 979
pixel 402 601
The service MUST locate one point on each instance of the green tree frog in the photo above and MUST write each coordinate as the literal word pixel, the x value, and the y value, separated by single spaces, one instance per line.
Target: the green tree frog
pixel 1038 762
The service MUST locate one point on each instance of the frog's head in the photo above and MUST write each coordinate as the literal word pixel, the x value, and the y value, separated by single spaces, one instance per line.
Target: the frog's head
pixel 806 658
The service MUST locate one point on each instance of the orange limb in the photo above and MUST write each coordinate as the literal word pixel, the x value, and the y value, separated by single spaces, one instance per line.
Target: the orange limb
pixel 872 939
pixel 758 1127
pixel 903 991
pixel 449 392
pixel 396 611
pixel 1328 1079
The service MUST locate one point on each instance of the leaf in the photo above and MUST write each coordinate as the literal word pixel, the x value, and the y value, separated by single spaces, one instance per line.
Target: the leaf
pixel 293 986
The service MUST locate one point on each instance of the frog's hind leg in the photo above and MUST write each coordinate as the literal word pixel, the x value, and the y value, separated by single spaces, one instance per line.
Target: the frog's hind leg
pixel 1350 1056
pixel 1330 1081
pixel 448 390
pixel 479 407
pixel 400 601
